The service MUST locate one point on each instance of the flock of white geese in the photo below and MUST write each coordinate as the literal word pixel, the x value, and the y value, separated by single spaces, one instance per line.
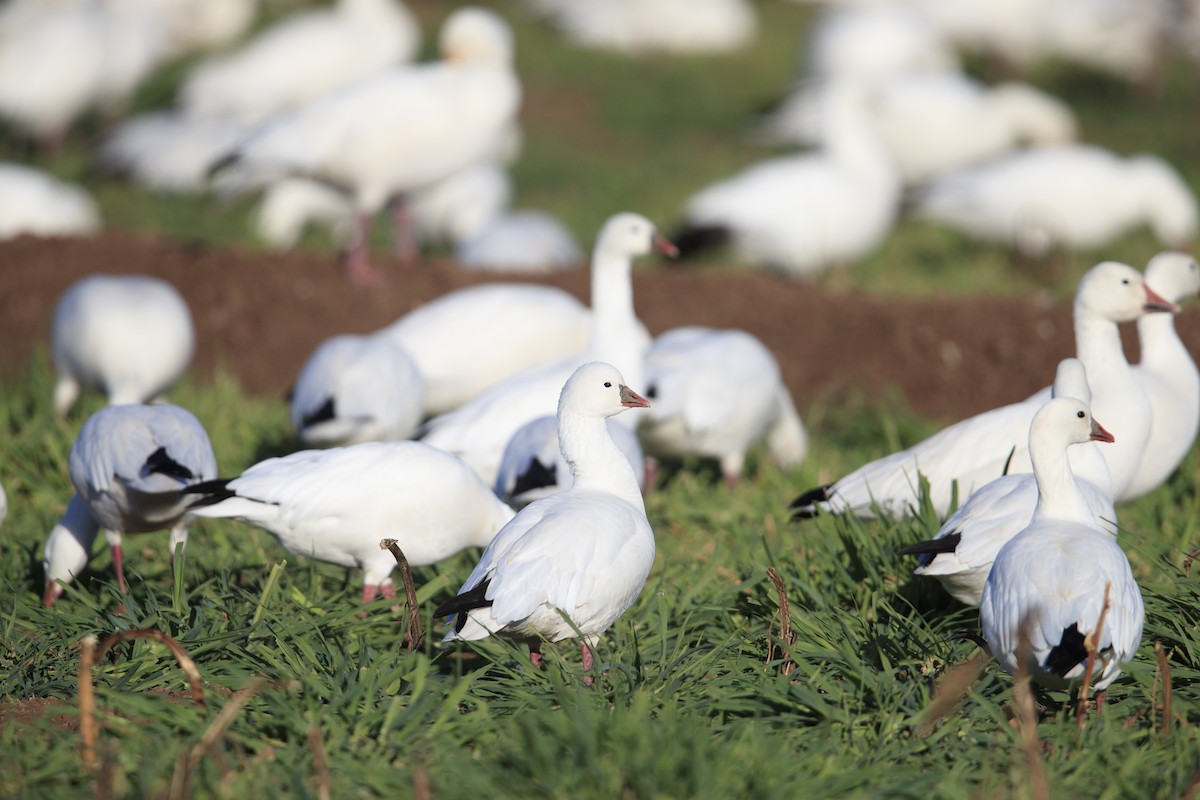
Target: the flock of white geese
pixel 518 442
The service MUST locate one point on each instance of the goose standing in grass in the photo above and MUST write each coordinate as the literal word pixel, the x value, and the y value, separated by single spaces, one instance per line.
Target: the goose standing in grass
pixel 1055 576
pixel 130 336
pixel 984 447
pixel 356 389
pixel 131 466
pixel 37 203
pixel 479 431
pixel 802 214
pixel 716 393
pixel 1168 373
pixel 568 565
pixel 1066 196
pixel 388 135
pixel 336 505
pixel 961 554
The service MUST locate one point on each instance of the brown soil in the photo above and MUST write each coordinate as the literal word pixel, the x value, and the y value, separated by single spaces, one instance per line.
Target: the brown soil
pixel 263 314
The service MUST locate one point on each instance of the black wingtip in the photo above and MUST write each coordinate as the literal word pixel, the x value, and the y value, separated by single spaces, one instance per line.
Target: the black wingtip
pixel 212 492
pixel 536 476
pixel 695 239
pixel 161 463
pixel 475 597
pixel 225 161
pixel 943 544
pixel 326 412
pixel 805 506
pixel 1068 653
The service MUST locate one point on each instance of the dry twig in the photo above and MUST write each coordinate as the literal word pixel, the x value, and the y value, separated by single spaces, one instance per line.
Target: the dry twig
pixel 1092 643
pixel 1027 717
pixel 186 767
pixel 786 636
pixel 320 763
pixel 950 689
pixel 410 592
pixel 1164 669
pixel 185 661
pixel 87 701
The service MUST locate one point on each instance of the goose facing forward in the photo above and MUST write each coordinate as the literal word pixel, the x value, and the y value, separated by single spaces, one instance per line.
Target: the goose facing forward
pixel 572 563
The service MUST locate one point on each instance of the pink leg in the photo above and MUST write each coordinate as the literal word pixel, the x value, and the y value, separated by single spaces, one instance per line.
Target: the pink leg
pixel 370 592
pixel 389 591
pixel 1101 696
pixel 402 234
pixel 535 657
pixel 52 593
pixel 585 654
pixel 358 264
pixel 732 481
pixel 118 559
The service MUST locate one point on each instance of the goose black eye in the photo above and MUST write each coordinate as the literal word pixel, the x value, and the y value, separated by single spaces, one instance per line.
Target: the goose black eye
pixel 607 385
pixel 1080 414
pixel 1124 281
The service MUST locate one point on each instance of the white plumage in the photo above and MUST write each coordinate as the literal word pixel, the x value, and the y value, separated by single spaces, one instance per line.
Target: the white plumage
pixel 521 241
pixel 961 554
pixel 873 40
pixel 1168 374
pixel 1072 196
pixel 168 151
pixel 34 202
pixel 1051 579
pixel 716 393
pixel 336 505
pixel 479 431
pixel 572 563
pixel 646 26
pixel 978 449
pixel 129 336
pixel 130 466
pixel 357 389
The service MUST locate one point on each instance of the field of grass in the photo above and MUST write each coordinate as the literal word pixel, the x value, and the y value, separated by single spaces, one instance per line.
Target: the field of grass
pixel 697 696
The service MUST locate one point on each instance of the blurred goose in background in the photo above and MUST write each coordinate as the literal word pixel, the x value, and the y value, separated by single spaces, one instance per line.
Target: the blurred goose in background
pixel 130 466
pixel 1067 196
pixel 167 151
pixel 1167 372
pixel 979 449
pixel 130 336
pixel 383 137
pixel 37 203
pixel 521 241
pixel 874 40
pixel 467 341
pixel 336 505
pixel 656 26
pixel 1061 575
pixel 479 431
pixel 931 122
pixel 301 57
pixel 569 565
pixel 715 394
pixel 961 554
pixel 806 213
pixel 356 389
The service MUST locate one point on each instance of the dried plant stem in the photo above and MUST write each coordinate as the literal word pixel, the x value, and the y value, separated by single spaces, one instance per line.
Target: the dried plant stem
pixel 950 689
pixel 410 592
pixel 1027 718
pixel 320 764
pixel 182 779
pixel 1092 643
pixel 87 701
pixel 1164 669
pixel 185 661
pixel 786 636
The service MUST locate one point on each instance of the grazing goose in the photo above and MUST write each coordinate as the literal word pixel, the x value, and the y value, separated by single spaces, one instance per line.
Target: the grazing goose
pixel 716 393
pixel 533 465
pixel 1054 577
pixel 978 449
pixel 129 336
pixel 356 389
pixel 467 341
pixel 1065 196
pixel 388 135
pixel 570 564
pixel 479 431
pixel 167 151
pixel 520 241
pixel 131 466
pixel 657 26
pixel 961 554
pixel 37 203
pixel 301 57
pixel 336 505
pixel 806 213
pixel 1168 374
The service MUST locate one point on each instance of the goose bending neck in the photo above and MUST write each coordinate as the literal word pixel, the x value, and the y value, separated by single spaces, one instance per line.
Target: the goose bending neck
pixel 595 460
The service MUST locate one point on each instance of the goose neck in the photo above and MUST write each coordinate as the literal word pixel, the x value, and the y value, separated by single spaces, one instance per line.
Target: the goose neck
pixel 596 462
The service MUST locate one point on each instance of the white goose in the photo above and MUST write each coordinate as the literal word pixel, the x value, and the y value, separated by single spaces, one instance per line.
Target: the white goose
pixel 521 241
pixel 715 394
pixel 1053 576
pixel 467 341
pixel 304 55
pixel 37 203
pixel 988 445
pixel 131 466
pixel 336 505
pixel 572 563
pixel 167 151
pixel 479 431
pixel 803 214
pixel 961 554
pixel 356 389
pixel 872 40
pixel 388 135
pixel 129 336
pixel 1065 196
pixel 1168 374
pixel 657 26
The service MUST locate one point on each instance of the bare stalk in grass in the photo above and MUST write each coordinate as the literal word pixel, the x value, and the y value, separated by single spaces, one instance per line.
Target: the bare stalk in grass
pixel 950 689
pixel 185 661
pixel 1164 669
pixel 181 781
pixel 421 788
pixel 1027 716
pixel 1092 643
pixel 320 764
pixel 87 701
pixel 1187 562
pixel 410 592
pixel 786 636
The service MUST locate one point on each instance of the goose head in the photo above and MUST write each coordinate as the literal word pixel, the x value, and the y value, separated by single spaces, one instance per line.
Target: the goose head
pixel 628 235
pixel 1070 380
pixel 1174 276
pixel 476 35
pixel 598 390
pixel 1117 292
pixel 1065 421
